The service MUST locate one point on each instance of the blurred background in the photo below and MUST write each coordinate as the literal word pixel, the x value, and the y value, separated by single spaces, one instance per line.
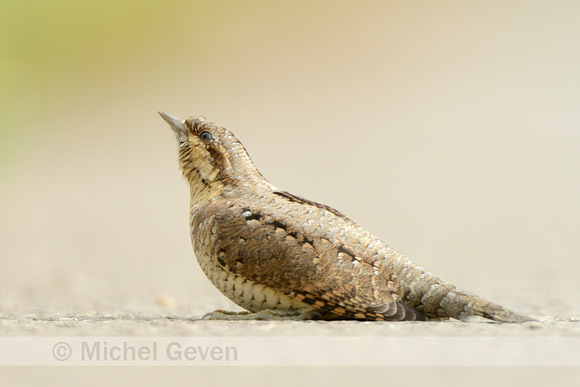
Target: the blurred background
pixel 448 129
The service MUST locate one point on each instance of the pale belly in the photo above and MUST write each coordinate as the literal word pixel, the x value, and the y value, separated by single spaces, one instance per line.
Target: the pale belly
pixel 246 293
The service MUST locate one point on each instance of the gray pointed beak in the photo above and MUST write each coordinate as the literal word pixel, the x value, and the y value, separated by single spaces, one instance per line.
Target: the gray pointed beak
pixel 176 124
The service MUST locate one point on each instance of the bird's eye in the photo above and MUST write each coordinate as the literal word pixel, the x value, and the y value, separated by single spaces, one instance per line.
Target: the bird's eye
pixel 206 136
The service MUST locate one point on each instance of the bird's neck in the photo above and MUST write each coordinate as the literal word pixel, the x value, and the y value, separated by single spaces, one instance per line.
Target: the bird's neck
pixel 201 191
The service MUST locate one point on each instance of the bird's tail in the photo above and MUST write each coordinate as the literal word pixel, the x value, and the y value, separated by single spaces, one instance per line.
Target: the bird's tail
pixel 438 299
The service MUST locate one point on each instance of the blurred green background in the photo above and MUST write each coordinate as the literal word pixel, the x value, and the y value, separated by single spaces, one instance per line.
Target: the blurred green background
pixel 449 129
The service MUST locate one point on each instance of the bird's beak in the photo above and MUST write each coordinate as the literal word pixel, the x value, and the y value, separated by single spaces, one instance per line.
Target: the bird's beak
pixel 176 124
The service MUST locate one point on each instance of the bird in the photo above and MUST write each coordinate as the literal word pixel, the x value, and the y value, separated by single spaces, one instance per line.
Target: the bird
pixel 283 257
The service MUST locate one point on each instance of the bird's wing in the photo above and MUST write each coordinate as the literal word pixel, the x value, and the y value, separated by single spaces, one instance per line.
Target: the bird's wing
pixel 312 267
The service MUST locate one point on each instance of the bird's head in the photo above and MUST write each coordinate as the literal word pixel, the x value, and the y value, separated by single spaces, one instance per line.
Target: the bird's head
pixel 210 157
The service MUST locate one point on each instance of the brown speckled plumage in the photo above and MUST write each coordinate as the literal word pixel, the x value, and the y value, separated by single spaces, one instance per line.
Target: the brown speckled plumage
pixel 267 249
